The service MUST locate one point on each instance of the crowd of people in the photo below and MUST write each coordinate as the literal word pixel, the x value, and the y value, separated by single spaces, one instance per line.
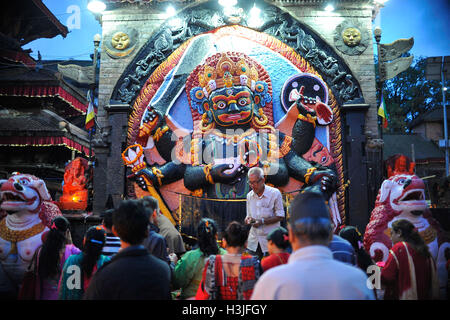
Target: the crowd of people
pixel 127 257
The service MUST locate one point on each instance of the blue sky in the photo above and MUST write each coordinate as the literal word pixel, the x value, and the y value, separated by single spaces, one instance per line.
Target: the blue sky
pixel 428 21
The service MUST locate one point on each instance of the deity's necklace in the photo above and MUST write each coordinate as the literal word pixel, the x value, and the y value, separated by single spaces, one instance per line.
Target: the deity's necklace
pixel 15 236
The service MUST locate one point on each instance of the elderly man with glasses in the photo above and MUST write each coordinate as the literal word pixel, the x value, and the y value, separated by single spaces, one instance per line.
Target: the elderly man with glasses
pixel 264 212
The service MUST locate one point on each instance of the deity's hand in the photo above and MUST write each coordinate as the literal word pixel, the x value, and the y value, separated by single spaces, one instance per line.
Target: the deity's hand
pixel 304 104
pixel 325 180
pixel 151 121
pixel 219 176
pixel 143 177
pixel 324 112
pixel 313 107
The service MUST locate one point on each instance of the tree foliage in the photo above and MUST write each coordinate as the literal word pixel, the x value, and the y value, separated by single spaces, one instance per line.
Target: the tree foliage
pixel 408 95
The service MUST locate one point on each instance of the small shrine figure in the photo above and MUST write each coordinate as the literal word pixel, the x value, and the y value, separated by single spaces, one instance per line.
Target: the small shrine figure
pixel 399 164
pixel 75 193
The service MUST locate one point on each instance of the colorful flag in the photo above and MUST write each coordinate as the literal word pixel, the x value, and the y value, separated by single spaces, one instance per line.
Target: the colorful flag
pixel 90 114
pixel 382 112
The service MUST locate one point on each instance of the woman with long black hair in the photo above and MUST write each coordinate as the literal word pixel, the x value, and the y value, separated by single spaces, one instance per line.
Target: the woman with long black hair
pixel 79 269
pixel 188 270
pixel 56 248
pixel 352 235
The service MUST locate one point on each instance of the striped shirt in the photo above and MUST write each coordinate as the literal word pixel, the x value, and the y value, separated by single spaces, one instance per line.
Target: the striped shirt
pixel 112 245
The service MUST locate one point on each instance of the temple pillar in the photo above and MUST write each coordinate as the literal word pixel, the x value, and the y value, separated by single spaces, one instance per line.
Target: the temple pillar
pixel 109 176
pixel 355 164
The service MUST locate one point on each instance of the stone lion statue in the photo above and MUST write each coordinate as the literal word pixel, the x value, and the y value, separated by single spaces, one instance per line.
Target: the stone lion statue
pixel 29 211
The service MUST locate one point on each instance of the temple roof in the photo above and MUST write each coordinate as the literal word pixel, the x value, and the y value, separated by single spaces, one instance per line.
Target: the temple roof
pixel 40 128
pixel 19 87
pixel 28 20
pixel 401 143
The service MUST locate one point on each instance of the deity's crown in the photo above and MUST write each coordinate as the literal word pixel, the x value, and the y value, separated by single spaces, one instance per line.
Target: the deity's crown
pixel 225 70
pixel 227 73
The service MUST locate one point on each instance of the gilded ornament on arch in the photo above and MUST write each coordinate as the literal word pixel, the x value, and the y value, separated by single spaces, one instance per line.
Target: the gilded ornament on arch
pixel 121 42
pixel 351 38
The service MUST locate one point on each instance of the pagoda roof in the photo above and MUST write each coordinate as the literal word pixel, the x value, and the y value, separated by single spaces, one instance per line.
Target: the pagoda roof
pixel 424 150
pixel 20 86
pixel 42 128
pixel 28 20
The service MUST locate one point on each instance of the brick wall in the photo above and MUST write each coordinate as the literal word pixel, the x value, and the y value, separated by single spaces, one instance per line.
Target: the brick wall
pixel 142 18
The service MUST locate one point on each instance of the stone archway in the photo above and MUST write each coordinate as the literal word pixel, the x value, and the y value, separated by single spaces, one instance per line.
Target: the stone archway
pixel 144 75
pixel 205 17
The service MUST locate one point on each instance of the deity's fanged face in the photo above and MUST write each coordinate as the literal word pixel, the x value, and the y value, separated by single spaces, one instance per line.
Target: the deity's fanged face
pixel 232 106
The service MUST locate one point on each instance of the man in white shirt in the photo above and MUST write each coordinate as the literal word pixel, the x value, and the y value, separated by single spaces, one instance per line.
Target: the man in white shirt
pixel 264 212
pixel 311 272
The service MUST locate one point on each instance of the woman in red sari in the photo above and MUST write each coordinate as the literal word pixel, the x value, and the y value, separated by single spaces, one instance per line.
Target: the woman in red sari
pixel 410 271
pixel 233 275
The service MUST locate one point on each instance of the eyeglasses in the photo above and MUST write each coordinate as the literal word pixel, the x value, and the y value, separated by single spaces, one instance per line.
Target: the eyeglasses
pixel 254 182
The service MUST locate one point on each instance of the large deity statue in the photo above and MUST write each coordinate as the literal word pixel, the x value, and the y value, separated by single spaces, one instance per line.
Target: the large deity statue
pixel 230 98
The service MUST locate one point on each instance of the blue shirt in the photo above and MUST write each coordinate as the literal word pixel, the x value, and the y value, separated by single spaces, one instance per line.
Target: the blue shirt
pixel 342 250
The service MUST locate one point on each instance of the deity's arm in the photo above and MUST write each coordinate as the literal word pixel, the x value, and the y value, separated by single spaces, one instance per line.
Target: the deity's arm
pixel 164 142
pixel 276 172
pixel 311 111
pixel 317 178
pixel 196 177
pixel 155 129
pixel 159 175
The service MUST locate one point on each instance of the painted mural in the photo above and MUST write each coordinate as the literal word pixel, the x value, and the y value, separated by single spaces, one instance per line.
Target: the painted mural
pixel 246 99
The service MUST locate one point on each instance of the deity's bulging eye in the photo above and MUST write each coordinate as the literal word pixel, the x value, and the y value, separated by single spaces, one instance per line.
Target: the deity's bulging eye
pixel 243 101
pixel 24 181
pixel 401 181
pixel 221 104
